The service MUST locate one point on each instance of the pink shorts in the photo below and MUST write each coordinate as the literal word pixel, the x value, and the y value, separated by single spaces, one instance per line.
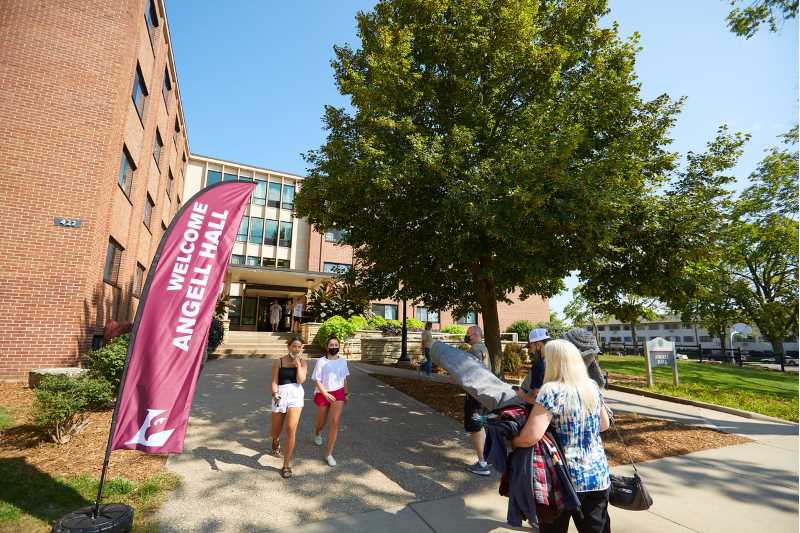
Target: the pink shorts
pixel 320 400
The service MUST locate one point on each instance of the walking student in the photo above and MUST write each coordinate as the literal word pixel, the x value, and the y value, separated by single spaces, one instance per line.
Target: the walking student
pixel 330 375
pixel 476 432
pixel 275 311
pixel 288 376
pixel 427 343
pixel 572 402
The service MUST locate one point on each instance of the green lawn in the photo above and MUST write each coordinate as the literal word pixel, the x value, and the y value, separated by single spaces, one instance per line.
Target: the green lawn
pixel 761 391
pixel 30 500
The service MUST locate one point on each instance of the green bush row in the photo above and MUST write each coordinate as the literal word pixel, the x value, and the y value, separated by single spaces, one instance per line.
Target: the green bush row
pixel 61 402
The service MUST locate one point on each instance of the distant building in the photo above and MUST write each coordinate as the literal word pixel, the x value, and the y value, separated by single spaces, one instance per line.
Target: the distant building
pixel 671 328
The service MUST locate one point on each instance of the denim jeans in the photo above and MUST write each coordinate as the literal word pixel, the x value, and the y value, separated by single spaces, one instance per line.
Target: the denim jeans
pixel 427 366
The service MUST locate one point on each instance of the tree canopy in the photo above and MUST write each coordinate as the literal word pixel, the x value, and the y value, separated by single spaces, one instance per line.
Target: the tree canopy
pixel 490 146
pixel 745 21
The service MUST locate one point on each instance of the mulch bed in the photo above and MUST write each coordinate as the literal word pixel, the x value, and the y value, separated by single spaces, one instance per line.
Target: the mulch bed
pixel 83 454
pixel 647 438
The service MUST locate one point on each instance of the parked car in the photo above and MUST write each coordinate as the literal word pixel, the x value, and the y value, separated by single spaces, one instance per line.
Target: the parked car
pixel 791 362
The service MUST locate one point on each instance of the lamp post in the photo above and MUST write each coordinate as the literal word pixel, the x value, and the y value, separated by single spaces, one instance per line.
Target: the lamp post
pixel 404 338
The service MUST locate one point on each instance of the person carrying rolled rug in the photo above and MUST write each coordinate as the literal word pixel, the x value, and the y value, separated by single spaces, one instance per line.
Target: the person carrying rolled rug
pixel 586 343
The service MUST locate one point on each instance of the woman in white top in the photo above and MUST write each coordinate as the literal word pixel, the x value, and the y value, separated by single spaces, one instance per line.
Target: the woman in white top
pixel 288 376
pixel 330 375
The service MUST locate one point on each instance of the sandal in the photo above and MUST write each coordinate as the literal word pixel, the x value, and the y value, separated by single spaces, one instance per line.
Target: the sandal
pixel 286 472
pixel 276 447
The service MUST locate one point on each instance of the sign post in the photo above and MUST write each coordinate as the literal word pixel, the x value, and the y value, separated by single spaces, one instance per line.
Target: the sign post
pixel 661 352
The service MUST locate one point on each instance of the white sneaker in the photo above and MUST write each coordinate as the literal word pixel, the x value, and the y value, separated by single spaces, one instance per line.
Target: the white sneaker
pixel 331 461
pixel 318 440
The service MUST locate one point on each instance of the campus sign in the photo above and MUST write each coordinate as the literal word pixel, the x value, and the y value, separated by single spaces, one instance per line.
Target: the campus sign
pixel 661 352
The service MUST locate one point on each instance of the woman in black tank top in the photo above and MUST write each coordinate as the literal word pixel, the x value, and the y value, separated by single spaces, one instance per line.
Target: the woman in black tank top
pixel 288 375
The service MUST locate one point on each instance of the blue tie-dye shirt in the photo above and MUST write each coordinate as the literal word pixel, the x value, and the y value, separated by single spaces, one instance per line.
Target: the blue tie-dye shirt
pixel 579 435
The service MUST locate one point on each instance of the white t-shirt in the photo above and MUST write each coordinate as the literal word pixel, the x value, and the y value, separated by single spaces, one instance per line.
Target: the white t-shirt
pixel 331 373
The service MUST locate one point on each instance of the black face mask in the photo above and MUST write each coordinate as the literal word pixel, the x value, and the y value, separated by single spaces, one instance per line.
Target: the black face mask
pixel 333 351
pixel 466 339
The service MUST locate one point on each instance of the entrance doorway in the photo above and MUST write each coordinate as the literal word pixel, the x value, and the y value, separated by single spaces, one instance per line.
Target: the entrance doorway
pixel 265 303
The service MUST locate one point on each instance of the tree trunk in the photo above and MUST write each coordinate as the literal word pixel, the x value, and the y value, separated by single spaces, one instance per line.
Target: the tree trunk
pixel 777 349
pixel 491 323
pixel 633 338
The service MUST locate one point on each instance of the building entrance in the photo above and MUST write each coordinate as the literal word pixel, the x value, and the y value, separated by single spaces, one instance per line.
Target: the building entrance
pixel 266 311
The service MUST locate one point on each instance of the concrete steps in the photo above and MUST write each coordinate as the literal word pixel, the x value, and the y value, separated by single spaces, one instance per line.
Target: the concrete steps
pixel 258 344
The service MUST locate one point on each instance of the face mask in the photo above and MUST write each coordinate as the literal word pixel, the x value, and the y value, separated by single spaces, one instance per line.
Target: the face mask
pixel 466 338
pixel 333 351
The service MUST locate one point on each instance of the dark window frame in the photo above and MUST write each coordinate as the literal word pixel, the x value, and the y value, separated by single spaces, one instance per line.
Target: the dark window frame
pixel 285 243
pixel 244 229
pixel 462 320
pixel 138 280
pixel 273 242
pixel 129 164
pixel 252 239
pixel 113 262
pixel 170 183
pixel 139 88
pixel 277 203
pixel 288 206
pixel 428 312
pixel 260 193
pixel 149 208
pixel 210 170
pixel 152 22
pixel 166 87
pixel 158 142
pixel 384 307
pixel 288 263
pixel 332 265
pixel 237 261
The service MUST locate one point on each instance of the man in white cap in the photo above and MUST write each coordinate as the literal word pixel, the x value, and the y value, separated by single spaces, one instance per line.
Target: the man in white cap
pixel 537 338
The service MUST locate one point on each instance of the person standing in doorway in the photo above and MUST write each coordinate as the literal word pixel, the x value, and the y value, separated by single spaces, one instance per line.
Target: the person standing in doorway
pixel 427 343
pixel 275 315
pixel 288 376
pixel 330 375
pixel 478 350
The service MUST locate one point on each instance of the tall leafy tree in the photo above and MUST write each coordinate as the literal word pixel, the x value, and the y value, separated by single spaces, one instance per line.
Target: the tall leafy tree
pixel 745 21
pixel 490 145
pixel 581 311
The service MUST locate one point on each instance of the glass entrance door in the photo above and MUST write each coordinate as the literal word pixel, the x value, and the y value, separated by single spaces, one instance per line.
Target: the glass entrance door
pixel 267 312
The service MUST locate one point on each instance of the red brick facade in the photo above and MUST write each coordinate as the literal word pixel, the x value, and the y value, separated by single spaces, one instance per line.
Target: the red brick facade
pixel 534 309
pixel 67 74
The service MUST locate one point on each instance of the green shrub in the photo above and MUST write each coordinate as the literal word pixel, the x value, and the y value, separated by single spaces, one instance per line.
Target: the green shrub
pixel 464 347
pixel 336 325
pixel 512 357
pixel 99 393
pixel 413 324
pixel 521 328
pixel 59 408
pixel 216 334
pixel 108 361
pixel 358 321
pixel 376 321
pixel 554 329
pixel 455 328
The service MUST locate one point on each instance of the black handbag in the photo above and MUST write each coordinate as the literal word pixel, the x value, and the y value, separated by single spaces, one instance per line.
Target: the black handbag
pixel 628 492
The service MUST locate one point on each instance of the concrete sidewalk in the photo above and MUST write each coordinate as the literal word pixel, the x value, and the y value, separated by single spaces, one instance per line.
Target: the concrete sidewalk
pixel 401 468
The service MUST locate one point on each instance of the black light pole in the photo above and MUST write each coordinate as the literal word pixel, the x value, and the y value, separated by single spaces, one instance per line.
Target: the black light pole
pixel 404 338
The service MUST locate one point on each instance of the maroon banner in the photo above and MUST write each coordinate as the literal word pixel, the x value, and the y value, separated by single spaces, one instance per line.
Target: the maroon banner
pixel 173 318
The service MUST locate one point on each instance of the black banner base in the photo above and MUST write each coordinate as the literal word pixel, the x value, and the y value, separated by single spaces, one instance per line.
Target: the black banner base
pixel 112 518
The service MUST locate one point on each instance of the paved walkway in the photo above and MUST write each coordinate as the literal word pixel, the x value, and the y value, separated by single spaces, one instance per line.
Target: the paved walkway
pixel 401 468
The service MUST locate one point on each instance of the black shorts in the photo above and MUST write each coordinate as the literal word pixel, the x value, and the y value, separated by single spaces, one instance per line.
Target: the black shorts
pixel 471 406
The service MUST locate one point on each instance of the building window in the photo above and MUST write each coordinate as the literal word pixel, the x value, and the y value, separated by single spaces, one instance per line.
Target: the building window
pixel 688 338
pixel 166 87
pixel 138 282
pixel 284 263
pixel 256 230
pixel 249 311
pixel 334 235
pixel 642 339
pixel 252 261
pixel 235 309
pixel 237 259
pixel 176 133
pixel 213 176
pixel 705 338
pixel 285 237
pixel 271 233
pixel 158 144
pixel 627 339
pixel 387 311
pixel 274 195
pixel 148 211
pixel 139 94
pixel 653 326
pixel 613 328
pixel 163 228
pixel 288 197
pixel 268 261
pixel 229 177
pixel 151 17
pixel 126 169
pixel 335 268
pixel 469 318
pixel 425 314
pixel 246 178
pixel 241 236
pixel 260 194
pixel 601 328
pixel 113 261
pixel 170 182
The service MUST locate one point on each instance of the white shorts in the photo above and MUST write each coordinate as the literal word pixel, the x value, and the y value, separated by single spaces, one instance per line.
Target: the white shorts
pixel 292 395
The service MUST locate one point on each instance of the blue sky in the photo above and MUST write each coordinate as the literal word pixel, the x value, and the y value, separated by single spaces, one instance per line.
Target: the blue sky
pixel 255 75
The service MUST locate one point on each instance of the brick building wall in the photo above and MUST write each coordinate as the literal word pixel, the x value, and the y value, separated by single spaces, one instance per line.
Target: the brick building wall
pixel 67 73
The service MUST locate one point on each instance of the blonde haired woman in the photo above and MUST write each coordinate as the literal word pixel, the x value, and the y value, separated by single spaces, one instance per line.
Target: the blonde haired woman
pixel 572 402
